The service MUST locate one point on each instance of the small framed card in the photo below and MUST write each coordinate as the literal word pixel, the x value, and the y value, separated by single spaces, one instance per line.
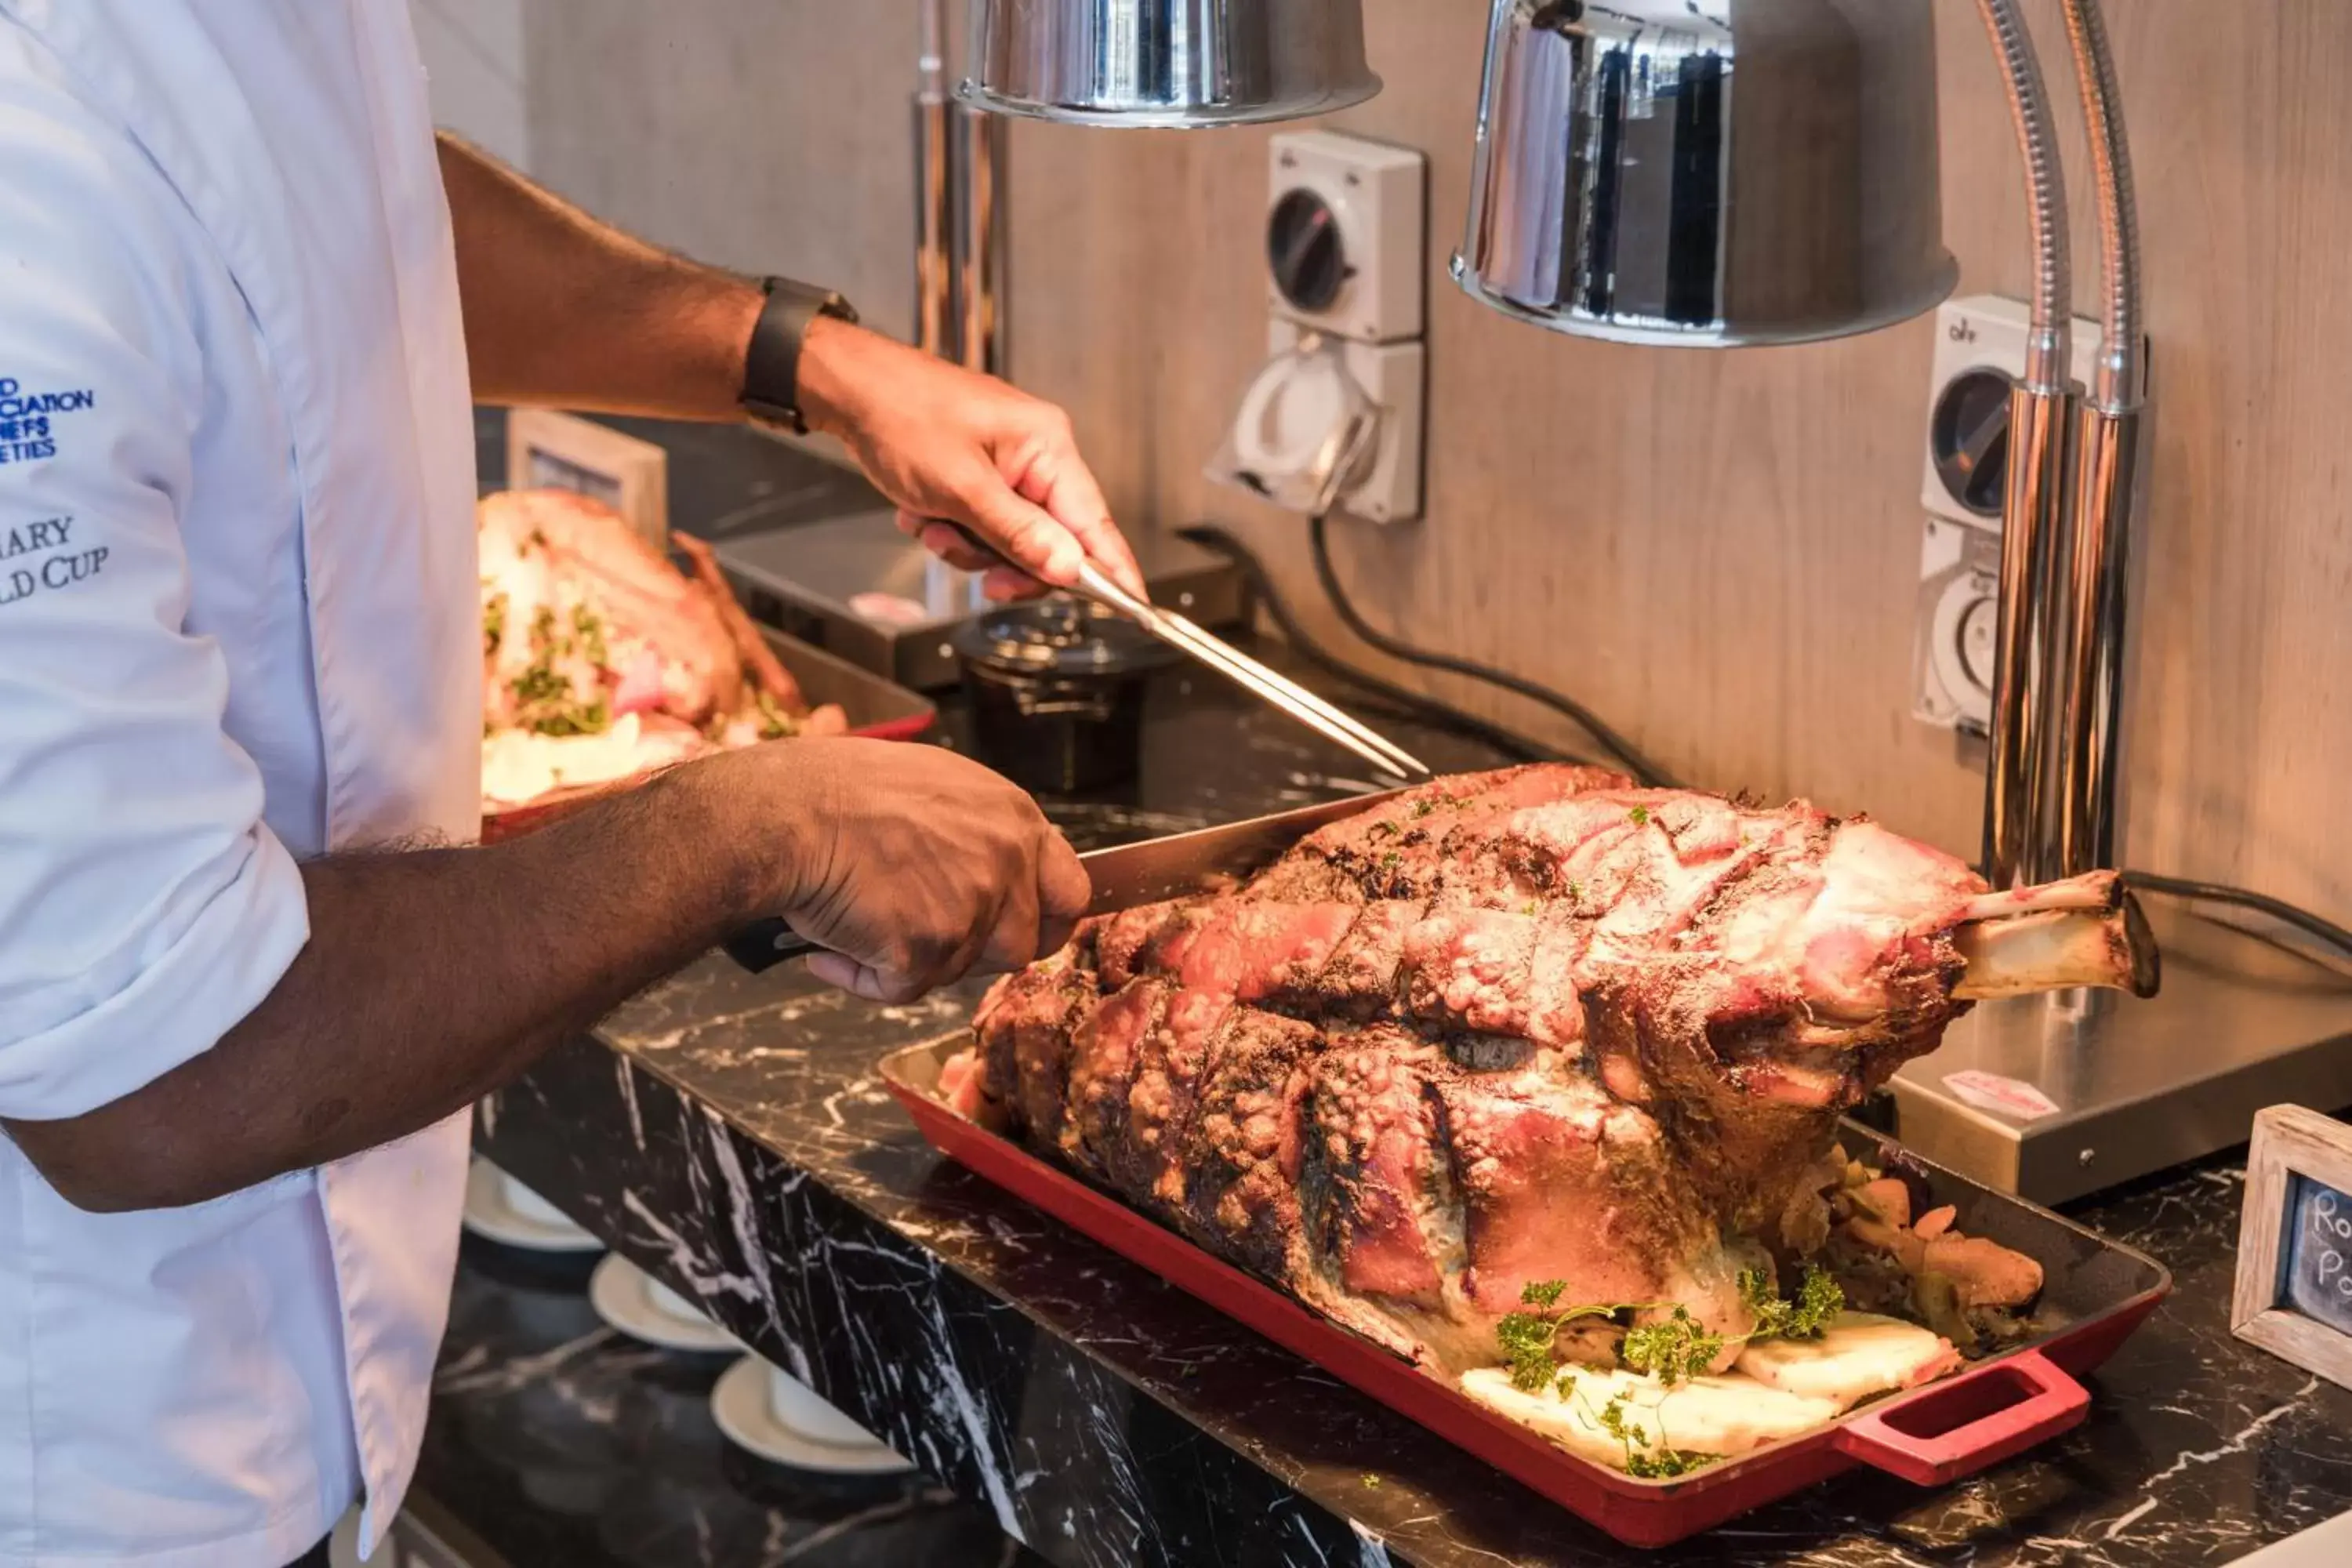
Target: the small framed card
pixel 2295 1242
pixel 548 450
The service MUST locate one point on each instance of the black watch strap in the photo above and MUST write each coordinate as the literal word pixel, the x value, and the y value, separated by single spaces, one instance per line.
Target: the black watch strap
pixel 771 365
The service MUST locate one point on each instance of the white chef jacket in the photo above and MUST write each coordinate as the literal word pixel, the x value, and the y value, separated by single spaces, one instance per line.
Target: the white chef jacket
pixel 237 630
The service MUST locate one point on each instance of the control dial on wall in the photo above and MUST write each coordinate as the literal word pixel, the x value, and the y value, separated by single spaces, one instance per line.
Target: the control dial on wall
pixel 1344 235
pixel 1306 251
pixel 1968 439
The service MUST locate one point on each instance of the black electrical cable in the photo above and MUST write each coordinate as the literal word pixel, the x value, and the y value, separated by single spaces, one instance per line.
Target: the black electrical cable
pixel 1400 699
pixel 2302 920
pixel 1585 717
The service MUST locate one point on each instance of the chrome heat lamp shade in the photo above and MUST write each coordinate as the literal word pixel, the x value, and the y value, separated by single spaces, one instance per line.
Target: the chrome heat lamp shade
pixel 1166 64
pixel 1712 173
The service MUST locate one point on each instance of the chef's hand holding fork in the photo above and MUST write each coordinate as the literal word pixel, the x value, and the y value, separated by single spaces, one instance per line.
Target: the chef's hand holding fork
pixel 947 443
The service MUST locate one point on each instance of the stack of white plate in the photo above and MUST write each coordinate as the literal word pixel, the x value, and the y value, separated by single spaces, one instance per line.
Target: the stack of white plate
pixel 503 1210
pixel 762 1407
pixel 759 1406
pixel 643 1307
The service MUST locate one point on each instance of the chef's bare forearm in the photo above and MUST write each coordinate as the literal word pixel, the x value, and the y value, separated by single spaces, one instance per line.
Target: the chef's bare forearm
pixel 562 308
pixel 433 976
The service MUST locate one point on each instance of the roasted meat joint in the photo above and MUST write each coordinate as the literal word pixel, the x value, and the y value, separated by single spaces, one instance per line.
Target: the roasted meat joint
pixel 1535 1077
pixel 601 660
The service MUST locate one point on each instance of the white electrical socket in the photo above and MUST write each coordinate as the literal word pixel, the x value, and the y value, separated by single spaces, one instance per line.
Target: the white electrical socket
pixel 1392 376
pixel 1960 576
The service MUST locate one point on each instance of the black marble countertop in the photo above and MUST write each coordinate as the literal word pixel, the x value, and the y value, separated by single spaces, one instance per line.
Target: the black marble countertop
pixel 731 1134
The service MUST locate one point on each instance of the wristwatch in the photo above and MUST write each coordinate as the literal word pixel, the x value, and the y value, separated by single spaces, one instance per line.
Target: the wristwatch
pixel 771 365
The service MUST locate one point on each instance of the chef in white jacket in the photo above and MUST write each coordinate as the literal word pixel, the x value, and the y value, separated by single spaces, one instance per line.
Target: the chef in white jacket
pixel 244 1000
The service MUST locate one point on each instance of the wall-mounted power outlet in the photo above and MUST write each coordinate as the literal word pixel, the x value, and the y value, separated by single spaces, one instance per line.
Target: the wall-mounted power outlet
pixel 1345 235
pixel 1345 252
pixel 1980 352
pixel 1392 375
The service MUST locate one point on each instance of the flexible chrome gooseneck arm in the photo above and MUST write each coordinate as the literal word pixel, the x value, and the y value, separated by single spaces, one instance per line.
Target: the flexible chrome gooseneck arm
pixel 2117 386
pixel 2073 479
pixel 2041 424
pixel 2108 468
pixel 2048 348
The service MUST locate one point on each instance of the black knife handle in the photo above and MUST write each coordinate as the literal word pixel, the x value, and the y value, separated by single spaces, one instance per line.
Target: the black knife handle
pixel 763 944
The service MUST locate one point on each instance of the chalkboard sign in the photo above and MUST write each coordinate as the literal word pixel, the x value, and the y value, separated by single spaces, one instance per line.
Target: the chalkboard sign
pixel 2319 1282
pixel 2295 1242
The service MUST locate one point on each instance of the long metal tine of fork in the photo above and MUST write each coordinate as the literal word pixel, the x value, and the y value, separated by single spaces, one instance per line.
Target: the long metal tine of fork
pixel 1289 695
pixel 1337 735
pixel 1230 661
pixel 1278 689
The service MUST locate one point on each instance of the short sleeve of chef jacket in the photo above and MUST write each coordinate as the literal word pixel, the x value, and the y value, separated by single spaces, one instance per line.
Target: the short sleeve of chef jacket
pixel 144 909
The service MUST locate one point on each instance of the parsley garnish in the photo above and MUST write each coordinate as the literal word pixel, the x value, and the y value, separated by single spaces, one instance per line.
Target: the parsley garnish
pixel 544 704
pixel 592 633
pixel 1526 1338
pixel 1818 1303
pixel 541 684
pixel 1639 815
pixel 1665 1464
pixel 1682 1347
pixel 588 718
pixel 1672 1349
pixel 1527 1341
pixel 775 723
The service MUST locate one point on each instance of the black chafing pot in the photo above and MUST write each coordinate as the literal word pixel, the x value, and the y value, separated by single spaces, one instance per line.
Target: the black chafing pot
pixel 1056 693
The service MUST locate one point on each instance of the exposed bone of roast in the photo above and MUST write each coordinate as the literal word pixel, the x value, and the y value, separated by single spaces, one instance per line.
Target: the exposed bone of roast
pixel 2084 931
pixel 1530 1025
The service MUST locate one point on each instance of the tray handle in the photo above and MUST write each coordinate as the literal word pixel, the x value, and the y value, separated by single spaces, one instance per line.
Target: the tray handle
pixel 1961 1426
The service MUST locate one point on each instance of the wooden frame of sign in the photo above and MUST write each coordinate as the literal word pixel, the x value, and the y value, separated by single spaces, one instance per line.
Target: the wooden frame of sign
pixel 2295 1242
pixel 548 450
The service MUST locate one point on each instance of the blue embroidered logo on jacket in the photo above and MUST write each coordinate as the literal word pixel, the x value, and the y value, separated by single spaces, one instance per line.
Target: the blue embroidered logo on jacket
pixel 29 421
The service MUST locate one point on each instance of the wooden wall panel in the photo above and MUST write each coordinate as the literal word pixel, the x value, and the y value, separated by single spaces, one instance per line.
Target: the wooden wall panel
pixel 771 135
pixel 1718 551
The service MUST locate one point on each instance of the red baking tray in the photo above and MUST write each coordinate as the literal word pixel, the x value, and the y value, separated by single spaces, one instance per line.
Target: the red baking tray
pixel 877 709
pixel 2096 1292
